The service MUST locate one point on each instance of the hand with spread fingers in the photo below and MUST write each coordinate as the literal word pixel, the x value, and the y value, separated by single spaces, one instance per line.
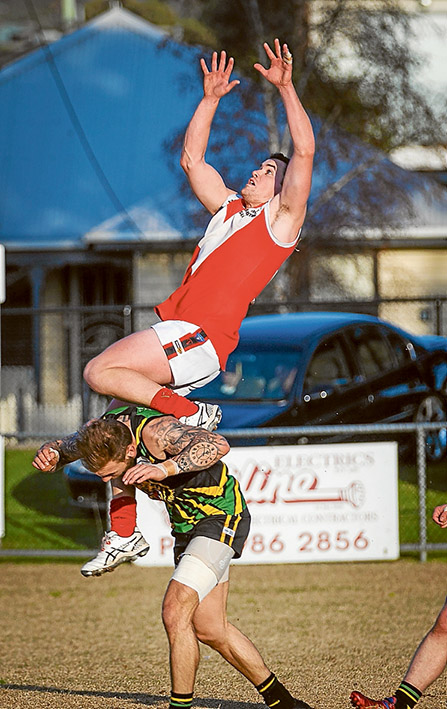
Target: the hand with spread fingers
pixel 280 71
pixel 216 83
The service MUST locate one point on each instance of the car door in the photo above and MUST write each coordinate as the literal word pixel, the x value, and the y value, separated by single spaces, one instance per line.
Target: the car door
pixel 389 368
pixel 332 391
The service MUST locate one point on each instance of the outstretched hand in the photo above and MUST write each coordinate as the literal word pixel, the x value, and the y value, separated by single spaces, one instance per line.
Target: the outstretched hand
pixel 216 83
pixel 280 71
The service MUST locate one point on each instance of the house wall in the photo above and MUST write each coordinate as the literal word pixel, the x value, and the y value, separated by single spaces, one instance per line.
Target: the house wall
pixel 155 276
pixel 389 274
pixel 53 345
pixel 413 273
pixel 341 276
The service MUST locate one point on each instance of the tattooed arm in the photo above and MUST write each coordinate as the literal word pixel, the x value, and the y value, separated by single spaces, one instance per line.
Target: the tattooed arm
pixel 191 448
pixel 188 449
pixel 55 454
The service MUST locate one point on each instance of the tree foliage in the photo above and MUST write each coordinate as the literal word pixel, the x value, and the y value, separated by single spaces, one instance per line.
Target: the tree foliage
pixel 355 70
pixel 354 61
pixel 187 29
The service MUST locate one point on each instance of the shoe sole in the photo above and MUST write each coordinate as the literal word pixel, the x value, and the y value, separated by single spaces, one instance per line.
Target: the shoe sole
pixel 365 706
pixel 100 572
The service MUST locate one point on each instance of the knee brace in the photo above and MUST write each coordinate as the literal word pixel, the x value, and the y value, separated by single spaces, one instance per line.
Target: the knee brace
pixel 204 563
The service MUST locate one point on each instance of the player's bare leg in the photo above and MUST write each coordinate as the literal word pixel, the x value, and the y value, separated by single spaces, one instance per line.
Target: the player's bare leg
pixel 428 663
pixel 132 369
pixel 430 659
pixel 179 605
pixel 212 628
pixel 136 369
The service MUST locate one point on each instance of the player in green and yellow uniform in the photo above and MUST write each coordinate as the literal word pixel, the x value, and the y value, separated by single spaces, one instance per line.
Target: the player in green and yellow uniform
pixel 181 465
pixel 208 497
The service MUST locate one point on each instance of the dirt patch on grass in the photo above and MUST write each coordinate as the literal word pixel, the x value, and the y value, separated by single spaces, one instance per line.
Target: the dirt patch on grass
pixel 325 629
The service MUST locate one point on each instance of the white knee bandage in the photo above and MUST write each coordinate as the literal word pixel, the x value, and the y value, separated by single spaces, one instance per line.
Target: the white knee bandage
pixel 216 555
pixel 204 563
pixel 192 572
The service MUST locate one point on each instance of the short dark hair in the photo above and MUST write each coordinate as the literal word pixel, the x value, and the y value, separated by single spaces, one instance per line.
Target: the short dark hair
pixel 280 156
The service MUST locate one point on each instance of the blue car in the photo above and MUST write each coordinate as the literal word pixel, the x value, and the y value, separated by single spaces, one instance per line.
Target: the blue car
pixel 317 368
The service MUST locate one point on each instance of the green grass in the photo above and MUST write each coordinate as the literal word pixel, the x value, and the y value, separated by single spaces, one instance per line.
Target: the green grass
pixel 409 502
pixel 39 515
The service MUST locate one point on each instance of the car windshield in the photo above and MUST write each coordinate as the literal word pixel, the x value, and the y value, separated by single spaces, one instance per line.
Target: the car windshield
pixel 254 375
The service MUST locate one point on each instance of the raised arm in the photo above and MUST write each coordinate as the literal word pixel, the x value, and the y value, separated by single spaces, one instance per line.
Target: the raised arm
pixel 205 181
pixel 188 449
pixel 288 208
pixel 55 454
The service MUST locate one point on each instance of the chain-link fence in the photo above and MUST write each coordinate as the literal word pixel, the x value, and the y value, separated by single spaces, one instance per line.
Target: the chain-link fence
pixel 45 351
pixel 43 396
pixel 43 504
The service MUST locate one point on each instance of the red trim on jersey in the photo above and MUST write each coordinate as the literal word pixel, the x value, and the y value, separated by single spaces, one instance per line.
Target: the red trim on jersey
pixel 233 207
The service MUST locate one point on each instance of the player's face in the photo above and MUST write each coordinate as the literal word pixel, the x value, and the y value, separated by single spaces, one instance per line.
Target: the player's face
pixel 114 469
pixel 264 182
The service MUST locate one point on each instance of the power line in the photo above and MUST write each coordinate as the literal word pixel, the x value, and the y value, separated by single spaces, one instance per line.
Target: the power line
pixel 85 144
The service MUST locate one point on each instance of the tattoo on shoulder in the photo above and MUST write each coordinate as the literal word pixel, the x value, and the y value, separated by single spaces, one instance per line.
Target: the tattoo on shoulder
pixel 171 435
pixel 192 448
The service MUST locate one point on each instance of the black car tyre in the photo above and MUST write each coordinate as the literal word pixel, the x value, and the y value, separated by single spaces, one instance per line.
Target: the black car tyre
pixel 431 410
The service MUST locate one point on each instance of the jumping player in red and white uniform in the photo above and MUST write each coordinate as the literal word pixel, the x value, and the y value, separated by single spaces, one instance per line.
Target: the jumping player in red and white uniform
pixel 247 240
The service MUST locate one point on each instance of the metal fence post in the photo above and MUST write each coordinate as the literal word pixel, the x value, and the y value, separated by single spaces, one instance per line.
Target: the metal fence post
pixel 422 485
pixel 438 306
pixel 127 320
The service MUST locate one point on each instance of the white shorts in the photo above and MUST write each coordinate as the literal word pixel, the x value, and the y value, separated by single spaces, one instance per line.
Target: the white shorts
pixel 192 357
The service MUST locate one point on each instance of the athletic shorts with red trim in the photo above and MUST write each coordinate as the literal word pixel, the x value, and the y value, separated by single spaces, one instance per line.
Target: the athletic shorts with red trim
pixel 192 357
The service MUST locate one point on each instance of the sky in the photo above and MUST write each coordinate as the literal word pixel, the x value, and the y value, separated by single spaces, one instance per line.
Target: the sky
pixel 432 42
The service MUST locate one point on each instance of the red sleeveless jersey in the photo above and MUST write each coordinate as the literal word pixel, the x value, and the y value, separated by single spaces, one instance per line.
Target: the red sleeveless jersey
pixel 231 264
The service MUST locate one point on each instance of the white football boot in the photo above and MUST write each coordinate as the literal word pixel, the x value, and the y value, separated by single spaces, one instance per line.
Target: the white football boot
pixel 208 416
pixel 116 550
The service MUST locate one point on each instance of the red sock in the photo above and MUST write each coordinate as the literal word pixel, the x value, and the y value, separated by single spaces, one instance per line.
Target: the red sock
pixel 123 515
pixel 168 402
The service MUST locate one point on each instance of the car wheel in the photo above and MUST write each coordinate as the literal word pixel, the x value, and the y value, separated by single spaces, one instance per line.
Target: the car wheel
pixel 431 410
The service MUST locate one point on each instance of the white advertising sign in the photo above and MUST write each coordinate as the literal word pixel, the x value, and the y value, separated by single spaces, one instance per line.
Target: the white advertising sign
pixel 308 503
